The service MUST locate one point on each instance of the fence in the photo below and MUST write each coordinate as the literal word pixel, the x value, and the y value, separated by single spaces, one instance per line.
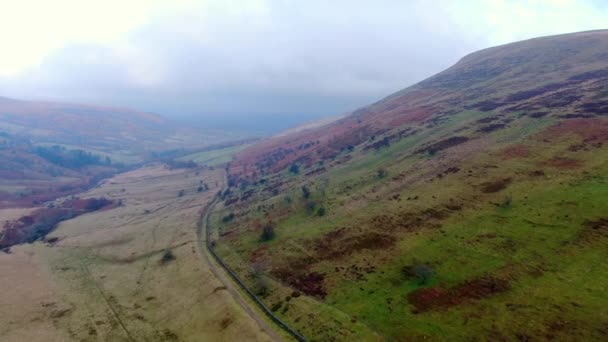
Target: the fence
pixel 237 280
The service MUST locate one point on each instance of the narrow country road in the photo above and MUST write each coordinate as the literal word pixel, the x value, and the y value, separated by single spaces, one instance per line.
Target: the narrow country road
pixel 219 273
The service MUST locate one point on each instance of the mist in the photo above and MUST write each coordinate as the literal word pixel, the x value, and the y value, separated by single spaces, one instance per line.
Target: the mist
pixel 267 65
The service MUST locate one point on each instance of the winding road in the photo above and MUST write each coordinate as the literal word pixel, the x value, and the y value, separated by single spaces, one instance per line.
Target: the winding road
pixel 220 274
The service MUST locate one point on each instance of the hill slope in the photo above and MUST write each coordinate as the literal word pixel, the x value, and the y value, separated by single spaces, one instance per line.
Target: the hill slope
pixel 103 128
pixel 473 204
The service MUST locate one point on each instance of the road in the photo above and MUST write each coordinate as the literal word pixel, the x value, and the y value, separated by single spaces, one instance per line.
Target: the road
pixel 219 273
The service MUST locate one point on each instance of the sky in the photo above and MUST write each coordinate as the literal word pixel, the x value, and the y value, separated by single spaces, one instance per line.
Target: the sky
pixel 256 62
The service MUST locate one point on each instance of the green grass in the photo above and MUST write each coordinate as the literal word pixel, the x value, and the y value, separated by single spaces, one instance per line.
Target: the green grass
pixel 214 157
pixel 533 242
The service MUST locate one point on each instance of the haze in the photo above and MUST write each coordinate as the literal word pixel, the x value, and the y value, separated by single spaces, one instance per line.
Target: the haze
pixel 262 65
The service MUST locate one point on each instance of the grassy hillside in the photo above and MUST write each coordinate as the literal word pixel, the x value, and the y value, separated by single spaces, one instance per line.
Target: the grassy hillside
pixel 473 205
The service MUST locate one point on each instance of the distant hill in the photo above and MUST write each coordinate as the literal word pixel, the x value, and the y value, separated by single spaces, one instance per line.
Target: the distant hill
pixel 563 76
pixel 470 206
pixel 102 128
pixel 50 149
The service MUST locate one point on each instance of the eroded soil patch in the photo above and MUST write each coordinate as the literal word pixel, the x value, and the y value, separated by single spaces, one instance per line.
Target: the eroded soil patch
pixel 435 298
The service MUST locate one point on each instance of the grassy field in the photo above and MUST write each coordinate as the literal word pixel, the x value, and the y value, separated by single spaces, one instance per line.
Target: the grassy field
pixel 487 239
pixel 132 273
pixel 214 157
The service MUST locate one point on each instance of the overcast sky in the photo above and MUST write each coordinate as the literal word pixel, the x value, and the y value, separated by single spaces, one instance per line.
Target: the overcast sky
pixel 221 59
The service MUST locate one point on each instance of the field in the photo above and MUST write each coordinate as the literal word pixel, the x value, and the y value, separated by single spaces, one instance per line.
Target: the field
pixel 132 273
pixel 214 157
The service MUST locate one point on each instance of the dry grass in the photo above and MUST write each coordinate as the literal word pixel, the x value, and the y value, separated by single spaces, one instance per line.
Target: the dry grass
pixel 106 267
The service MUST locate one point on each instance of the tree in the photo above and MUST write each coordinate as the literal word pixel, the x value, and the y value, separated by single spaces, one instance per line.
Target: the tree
pixel 305 191
pixel 294 168
pixel 310 206
pixel 267 232
pixel 382 172
pixel 423 273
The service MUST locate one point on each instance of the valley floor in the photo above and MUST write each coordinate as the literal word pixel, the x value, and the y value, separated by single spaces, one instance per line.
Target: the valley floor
pixel 132 273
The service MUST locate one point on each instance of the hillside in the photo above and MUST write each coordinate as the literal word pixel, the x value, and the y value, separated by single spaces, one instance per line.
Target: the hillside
pixel 101 128
pixel 473 204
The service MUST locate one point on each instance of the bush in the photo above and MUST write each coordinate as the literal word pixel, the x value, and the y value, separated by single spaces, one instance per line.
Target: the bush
pixel 305 191
pixel 507 202
pixel 228 218
pixel 181 193
pixel 94 204
pixel 382 173
pixel 294 168
pixel 310 206
pixel 267 232
pixel 423 273
pixel 261 284
pixel 321 211
pixel 167 257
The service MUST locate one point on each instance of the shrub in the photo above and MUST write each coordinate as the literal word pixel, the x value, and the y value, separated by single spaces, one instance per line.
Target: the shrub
pixel 305 191
pixel 94 204
pixel 181 193
pixel 228 218
pixel 261 285
pixel 507 202
pixel 167 257
pixel 310 206
pixel 294 168
pixel 381 173
pixel 267 232
pixel 321 211
pixel 423 273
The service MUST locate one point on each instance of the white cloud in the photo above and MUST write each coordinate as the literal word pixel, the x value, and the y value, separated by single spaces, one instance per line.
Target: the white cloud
pixel 253 56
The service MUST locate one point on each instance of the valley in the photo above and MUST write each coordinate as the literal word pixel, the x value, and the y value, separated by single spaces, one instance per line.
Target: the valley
pixel 470 206
pixel 128 273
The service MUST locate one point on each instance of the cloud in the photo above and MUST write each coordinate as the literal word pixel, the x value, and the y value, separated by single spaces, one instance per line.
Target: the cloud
pixel 222 59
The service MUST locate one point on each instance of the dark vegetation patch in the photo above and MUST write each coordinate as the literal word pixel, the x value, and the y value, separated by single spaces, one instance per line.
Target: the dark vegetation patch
pixel 71 159
pixel 516 151
pixel 486 106
pixel 559 100
pixel 226 322
pixel 600 107
pixel 495 186
pixel 487 120
pixel 491 128
pixel 576 116
pixel 41 222
pixel 565 163
pixel 527 94
pixel 537 173
pixel 537 115
pixel 173 164
pixel 385 142
pixel 443 144
pixel 315 171
pixel 590 75
pixel 437 298
pixel 594 230
pixel 167 257
pixel 309 283
pixel 338 243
